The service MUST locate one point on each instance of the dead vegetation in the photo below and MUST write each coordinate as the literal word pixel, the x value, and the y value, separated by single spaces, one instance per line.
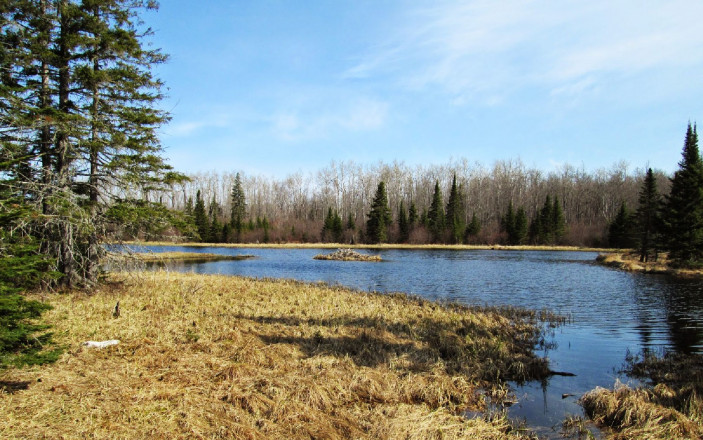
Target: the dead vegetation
pixel 225 357
pixel 671 406
pixel 630 261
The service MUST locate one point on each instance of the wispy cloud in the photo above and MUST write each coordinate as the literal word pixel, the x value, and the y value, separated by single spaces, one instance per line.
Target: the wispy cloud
pixel 361 114
pixel 484 50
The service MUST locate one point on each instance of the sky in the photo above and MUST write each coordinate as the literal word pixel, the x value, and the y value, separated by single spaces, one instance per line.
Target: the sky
pixel 274 87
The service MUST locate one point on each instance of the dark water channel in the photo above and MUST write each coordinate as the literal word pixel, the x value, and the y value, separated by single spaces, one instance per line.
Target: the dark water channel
pixel 612 312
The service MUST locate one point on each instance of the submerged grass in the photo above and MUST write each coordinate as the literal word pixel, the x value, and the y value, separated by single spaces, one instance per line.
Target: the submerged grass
pixel 226 357
pixel 671 406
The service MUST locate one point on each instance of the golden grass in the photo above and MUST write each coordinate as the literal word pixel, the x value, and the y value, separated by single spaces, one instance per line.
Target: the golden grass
pixel 629 261
pixel 205 356
pixel 371 246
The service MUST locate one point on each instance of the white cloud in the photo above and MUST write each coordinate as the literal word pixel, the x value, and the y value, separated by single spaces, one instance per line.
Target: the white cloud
pixel 483 50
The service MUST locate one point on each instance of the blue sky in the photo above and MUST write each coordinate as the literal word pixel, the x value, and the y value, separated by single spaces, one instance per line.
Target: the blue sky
pixel 280 86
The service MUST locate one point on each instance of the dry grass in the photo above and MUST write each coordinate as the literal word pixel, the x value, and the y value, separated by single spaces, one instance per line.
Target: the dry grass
pixel 670 407
pixel 372 246
pixel 225 357
pixel 630 261
pixel 347 255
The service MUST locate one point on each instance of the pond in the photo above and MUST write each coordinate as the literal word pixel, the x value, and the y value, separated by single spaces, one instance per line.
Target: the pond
pixel 611 313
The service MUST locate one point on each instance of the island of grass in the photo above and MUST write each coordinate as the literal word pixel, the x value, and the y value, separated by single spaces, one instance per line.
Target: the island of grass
pixel 165 257
pixel 630 261
pixel 347 255
pixel 208 356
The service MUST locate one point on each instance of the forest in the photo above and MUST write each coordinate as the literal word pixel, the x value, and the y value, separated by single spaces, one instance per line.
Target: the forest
pixel 303 207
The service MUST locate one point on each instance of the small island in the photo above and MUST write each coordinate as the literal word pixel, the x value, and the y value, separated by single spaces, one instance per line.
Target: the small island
pixel 347 255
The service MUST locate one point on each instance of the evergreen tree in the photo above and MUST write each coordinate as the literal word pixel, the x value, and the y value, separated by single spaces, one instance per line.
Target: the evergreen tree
pixel 403 224
pixel 621 233
pixel 200 217
pixel 436 216
pixel 456 216
pixel 520 227
pixel 413 217
pixel 327 226
pixel 351 225
pixel 337 228
pixel 684 206
pixel 379 219
pixel 508 223
pixel 647 217
pixel 558 224
pixel 239 207
pixel 546 222
pixel 473 228
pixel 80 104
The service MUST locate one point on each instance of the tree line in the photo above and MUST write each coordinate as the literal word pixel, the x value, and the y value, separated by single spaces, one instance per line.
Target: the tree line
pixel 333 203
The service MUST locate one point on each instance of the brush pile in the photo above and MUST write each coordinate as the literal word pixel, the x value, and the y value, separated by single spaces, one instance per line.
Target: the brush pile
pixel 347 255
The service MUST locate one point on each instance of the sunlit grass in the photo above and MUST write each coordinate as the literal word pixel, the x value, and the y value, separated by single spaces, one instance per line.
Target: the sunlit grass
pixel 630 261
pixel 208 356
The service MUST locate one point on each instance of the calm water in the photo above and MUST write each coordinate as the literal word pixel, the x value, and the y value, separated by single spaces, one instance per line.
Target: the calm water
pixel 612 312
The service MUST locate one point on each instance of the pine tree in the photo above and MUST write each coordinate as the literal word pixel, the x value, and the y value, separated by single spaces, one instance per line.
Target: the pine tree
pixel 684 206
pixel 403 224
pixel 648 218
pixel 337 228
pixel 436 216
pixel 379 219
pixel 239 207
pixel 413 217
pixel 456 216
pixel 327 226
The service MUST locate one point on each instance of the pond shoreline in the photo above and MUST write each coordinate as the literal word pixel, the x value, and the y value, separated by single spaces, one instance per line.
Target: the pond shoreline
pixel 270 359
pixel 629 261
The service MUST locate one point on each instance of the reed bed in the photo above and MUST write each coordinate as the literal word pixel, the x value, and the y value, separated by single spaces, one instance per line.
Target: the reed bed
pixel 629 261
pixel 205 356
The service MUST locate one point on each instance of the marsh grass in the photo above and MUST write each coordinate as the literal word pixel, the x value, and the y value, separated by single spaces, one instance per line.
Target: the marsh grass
pixel 630 261
pixel 671 406
pixel 165 257
pixel 227 357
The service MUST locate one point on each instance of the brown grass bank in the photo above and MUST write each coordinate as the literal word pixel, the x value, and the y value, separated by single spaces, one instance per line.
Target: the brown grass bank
pixel 630 261
pixel 226 357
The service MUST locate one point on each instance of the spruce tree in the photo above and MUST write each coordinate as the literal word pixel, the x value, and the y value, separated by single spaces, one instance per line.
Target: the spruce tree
pixel 239 207
pixel 455 217
pixel 337 228
pixel 648 218
pixel 379 218
pixel 558 223
pixel 473 228
pixel 621 232
pixel 520 227
pixel 436 215
pixel 413 217
pixel 403 224
pixel 684 206
pixel 508 223
pixel 202 224
pixel 80 103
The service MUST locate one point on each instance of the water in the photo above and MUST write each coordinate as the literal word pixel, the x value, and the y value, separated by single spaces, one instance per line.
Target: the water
pixel 612 313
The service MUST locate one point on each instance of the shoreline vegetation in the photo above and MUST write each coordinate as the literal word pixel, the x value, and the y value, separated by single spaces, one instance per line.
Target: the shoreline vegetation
pixel 384 246
pixel 629 261
pixel 219 356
